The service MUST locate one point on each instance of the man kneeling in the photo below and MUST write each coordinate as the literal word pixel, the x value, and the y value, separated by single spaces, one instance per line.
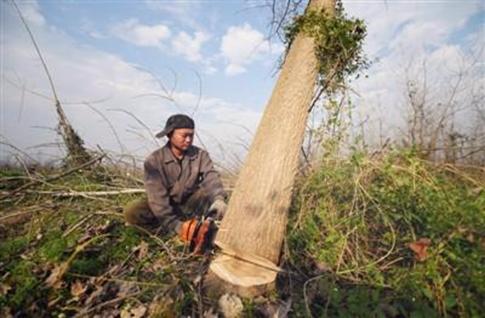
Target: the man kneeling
pixel 181 185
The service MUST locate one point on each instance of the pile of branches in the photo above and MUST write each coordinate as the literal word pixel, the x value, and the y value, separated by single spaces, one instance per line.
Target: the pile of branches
pixel 65 249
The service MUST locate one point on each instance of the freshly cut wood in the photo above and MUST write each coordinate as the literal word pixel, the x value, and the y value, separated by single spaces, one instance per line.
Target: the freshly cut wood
pixel 256 219
pixel 243 269
pixel 241 273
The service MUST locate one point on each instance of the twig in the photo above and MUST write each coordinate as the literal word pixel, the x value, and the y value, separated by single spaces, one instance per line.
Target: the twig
pixel 85 312
pixel 156 239
pixel 304 292
pixel 77 225
pixel 14 215
pixel 122 148
pixel 44 65
pixel 18 149
pixel 139 121
pixel 118 280
pixel 119 215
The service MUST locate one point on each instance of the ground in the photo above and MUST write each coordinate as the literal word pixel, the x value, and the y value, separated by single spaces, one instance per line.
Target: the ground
pixel 386 235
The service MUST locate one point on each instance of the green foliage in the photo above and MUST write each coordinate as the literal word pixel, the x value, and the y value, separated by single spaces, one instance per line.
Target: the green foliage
pixel 338 45
pixel 356 219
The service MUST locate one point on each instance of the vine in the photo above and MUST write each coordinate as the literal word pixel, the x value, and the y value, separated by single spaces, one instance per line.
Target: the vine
pixel 338 45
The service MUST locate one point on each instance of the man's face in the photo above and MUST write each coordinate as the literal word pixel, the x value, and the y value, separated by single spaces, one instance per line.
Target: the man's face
pixel 182 138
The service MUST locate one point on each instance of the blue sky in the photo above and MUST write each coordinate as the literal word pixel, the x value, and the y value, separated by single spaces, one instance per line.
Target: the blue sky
pixel 157 35
pixel 113 55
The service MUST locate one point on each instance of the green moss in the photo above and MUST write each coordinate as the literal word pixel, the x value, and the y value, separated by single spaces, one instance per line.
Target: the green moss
pixel 53 247
pixel 24 282
pixel 88 266
pixel 11 248
pixel 127 239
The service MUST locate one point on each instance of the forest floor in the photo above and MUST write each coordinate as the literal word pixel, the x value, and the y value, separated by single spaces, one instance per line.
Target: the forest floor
pixel 386 235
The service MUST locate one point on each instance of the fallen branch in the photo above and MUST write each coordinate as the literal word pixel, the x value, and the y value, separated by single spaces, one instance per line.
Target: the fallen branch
pixel 54 177
pixel 118 280
pixel 63 194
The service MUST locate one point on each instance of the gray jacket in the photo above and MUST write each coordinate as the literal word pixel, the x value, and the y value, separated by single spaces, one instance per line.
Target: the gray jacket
pixel 170 182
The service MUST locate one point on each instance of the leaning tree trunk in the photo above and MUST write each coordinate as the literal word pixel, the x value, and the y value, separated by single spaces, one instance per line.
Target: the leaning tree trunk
pixel 253 228
pixel 76 152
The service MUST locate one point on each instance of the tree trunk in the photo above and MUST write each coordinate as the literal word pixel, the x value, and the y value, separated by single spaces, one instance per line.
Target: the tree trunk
pixel 253 229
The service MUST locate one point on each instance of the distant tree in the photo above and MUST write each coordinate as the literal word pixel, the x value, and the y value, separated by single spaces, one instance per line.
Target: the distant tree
pixel 446 118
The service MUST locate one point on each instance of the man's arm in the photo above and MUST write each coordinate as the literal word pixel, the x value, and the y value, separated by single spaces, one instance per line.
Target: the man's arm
pixel 211 181
pixel 158 197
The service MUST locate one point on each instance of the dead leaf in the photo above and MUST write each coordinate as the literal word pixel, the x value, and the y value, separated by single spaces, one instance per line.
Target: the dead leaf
pixel 211 313
pixel 125 289
pixel 104 228
pixel 55 278
pixel 53 302
pixel 157 266
pixel 6 312
pixel 125 313
pixel 142 250
pixel 77 288
pixel 162 307
pixel 138 312
pixel 95 295
pixel 230 305
pixel 420 248
pixel 197 280
pixel 4 288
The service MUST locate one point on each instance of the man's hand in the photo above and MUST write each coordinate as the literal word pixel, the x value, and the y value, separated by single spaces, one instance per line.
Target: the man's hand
pixel 218 208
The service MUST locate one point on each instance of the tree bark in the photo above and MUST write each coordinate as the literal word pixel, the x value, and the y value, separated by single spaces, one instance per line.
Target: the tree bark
pixel 255 223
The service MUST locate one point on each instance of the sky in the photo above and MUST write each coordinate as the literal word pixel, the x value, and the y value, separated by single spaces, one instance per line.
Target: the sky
pixel 121 68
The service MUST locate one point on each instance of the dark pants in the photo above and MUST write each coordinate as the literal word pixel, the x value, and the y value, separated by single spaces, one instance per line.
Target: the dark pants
pixel 137 212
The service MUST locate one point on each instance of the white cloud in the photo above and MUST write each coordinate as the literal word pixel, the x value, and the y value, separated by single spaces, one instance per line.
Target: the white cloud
pixel 186 12
pixel 104 77
pixel 189 46
pixel 142 35
pixel 241 46
pixel 31 12
pixel 411 40
pixel 234 69
pixel 182 44
pixel 88 27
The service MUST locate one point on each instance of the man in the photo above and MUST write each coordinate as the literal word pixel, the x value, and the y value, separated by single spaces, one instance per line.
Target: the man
pixel 181 185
